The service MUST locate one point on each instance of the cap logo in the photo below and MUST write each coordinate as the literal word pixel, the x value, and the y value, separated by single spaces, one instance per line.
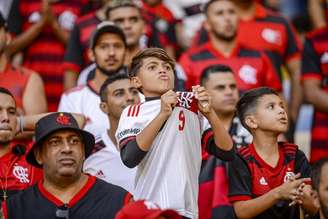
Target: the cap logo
pixel 63 119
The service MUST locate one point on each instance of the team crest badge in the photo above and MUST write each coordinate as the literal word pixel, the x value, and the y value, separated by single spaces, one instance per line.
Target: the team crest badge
pixel 63 119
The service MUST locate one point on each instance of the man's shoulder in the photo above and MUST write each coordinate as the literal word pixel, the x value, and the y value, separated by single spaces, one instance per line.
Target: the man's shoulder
pixel 110 189
pixel 76 91
pixel 199 53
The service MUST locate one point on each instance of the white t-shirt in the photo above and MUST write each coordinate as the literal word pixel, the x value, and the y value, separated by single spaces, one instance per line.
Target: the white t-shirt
pixel 106 164
pixel 168 174
pixel 82 99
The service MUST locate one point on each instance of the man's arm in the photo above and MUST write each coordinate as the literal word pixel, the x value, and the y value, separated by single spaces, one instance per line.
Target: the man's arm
pixel 315 95
pixel 294 68
pixel 317 13
pixel 222 138
pixel 146 137
pixel 34 98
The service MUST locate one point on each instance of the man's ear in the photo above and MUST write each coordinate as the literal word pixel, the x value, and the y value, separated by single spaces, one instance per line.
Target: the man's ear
pixel 136 82
pixel 38 155
pixel 251 122
pixel 207 26
pixel 104 107
pixel 91 55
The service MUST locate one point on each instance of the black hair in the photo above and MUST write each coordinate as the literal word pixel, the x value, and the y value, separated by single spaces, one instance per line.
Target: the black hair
pixel 213 69
pixel 317 172
pixel 110 80
pixel 6 91
pixel 3 22
pixel 249 100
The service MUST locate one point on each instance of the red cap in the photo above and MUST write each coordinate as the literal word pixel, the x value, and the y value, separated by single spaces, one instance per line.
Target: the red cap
pixel 145 210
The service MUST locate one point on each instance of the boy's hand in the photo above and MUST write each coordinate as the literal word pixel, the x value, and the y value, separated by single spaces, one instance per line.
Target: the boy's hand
pixel 204 99
pixel 168 102
pixel 290 190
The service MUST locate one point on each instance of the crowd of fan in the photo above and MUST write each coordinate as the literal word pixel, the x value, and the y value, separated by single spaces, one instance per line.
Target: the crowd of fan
pixel 98 120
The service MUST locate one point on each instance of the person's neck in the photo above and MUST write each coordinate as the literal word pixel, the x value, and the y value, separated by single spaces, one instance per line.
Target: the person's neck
pixel 98 80
pixel 131 52
pixel 3 62
pixel 245 10
pixel 113 127
pixel 226 119
pixel 223 46
pixel 4 149
pixel 64 188
pixel 266 146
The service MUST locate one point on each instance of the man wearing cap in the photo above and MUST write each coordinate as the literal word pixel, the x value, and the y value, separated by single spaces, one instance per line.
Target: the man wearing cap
pixel 107 50
pixel 60 150
pixel 146 210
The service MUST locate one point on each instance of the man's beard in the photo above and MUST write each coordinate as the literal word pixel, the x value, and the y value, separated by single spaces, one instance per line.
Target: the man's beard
pixel 324 208
pixel 223 37
pixel 107 72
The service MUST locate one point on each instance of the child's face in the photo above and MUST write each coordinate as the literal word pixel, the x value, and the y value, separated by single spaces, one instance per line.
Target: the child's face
pixel 270 114
pixel 155 77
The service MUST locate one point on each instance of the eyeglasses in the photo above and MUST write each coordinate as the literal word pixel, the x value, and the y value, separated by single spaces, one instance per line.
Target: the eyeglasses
pixel 62 212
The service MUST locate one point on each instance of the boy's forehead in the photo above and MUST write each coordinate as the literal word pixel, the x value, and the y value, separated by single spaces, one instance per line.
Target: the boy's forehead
pixel 153 60
pixel 269 98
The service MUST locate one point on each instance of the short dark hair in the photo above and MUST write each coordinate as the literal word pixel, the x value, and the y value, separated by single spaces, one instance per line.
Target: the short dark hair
pixel 3 22
pixel 111 79
pixel 213 69
pixel 148 53
pixel 6 91
pixel 249 100
pixel 115 4
pixel 317 172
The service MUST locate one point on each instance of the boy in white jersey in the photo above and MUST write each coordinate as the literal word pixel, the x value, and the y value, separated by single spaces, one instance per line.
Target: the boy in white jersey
pixel 163 135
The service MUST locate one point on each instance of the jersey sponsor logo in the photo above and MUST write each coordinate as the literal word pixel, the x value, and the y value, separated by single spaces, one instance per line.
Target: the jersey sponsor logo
pixel 34 17
pixel 263 181
pixel 134 110
pixel 289 176
pixel 271 36
pixel 133 131
pixel 185 99
pixel 324 58
pixel 66 20
pixel 21 173
pixel 247 73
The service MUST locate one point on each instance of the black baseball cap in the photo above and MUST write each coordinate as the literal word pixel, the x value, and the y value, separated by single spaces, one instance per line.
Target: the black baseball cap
pixel 56 122
pixel 106 27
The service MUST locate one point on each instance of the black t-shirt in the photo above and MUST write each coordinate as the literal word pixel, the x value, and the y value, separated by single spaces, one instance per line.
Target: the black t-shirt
pixel 250 177
pixel 97 199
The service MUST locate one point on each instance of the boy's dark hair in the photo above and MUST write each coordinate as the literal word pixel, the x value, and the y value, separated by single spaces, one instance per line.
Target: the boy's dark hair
pixel 213 69
pixel 115 4
pixel 317 172
pixel 249 100
pixel 110 80
pixel 149 53
pixel 3 22
pixel 6 91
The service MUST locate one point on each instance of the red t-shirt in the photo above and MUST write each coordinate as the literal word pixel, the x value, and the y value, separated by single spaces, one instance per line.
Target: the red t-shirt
pixel 15 173
pixel 251 68
pixel 15 80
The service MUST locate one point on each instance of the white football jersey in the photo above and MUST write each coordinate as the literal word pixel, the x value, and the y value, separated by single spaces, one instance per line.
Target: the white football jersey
pixel 82 99
pixel 107 165
pixel 168 174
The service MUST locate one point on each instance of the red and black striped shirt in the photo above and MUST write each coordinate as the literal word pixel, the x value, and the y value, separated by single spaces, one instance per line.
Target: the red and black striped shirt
pixel 251 68
pixel 250 177
pixel 76 54
pixel 270 33
pixel 315 66
pixel 45 54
